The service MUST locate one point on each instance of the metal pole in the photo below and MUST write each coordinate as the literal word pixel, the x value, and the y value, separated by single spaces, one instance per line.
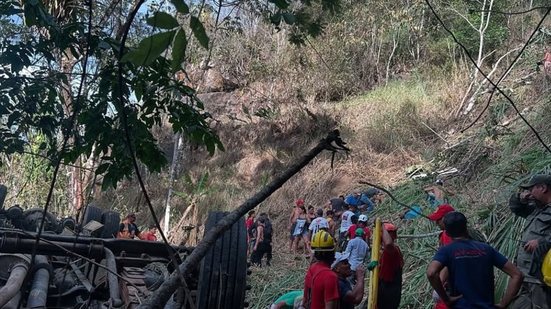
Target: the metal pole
pixel 374 278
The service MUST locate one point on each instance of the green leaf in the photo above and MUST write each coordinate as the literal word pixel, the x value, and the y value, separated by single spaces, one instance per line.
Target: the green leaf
pixel 282 4
pixel 199 31
pixel 162 20
pixel 289 18
pixel 178 49
pixel 180 6
pixel 149 48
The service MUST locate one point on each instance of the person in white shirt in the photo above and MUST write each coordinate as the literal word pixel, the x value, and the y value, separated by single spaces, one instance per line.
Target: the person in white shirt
pixel 346 220
pixel 318 223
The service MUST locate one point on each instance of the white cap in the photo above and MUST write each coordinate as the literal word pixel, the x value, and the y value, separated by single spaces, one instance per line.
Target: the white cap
pixel 362 218
pixel 339 257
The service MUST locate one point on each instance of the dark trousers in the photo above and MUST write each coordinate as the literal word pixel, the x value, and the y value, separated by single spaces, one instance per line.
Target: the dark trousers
pixel 532 296
pixel 263 248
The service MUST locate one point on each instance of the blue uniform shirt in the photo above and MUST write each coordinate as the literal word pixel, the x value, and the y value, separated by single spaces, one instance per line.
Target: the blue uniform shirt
pixel 471 268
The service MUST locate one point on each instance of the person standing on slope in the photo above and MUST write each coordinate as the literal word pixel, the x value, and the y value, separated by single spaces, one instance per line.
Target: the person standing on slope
pixel 321 288
pixel 390 271
pixel 471 269
pixel 318 223
pixel 534 204
pixel 357 250
pixel 349 296
pixel 444 239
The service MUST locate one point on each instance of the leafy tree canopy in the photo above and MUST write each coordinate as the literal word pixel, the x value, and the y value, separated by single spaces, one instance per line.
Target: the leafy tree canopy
pixel 68 76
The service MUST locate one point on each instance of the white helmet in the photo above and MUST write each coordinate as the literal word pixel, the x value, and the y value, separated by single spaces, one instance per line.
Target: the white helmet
pixel 362 218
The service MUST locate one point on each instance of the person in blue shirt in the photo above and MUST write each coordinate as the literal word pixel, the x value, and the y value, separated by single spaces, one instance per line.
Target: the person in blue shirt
pixel 471 269
pixel 413 213
pixel 357 249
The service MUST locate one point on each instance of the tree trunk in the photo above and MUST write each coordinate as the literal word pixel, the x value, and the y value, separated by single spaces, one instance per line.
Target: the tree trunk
pixel 159 298
pixel 172 173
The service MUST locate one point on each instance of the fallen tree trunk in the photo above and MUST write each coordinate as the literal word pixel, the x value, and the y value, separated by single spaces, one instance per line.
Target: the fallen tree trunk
pixel 162 295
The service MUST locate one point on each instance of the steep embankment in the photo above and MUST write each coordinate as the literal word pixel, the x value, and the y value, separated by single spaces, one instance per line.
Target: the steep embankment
pixel 409 123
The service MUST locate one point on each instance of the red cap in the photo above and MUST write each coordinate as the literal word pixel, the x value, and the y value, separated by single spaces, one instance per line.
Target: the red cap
pixel 299 202
pixel 389 227
pixel 441 211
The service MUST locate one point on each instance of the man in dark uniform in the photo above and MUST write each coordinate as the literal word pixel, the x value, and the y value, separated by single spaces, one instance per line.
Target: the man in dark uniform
pixel 533 202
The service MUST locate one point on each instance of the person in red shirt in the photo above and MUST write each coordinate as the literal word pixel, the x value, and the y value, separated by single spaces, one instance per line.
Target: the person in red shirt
pixel 390 271
pixel 362 224
pixel 249 222
pixel 150 234
pixel 444 239
pixel 250 219
pixel 321 284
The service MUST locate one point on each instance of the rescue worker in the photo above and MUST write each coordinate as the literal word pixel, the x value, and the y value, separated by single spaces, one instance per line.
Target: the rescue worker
pixel 390 271
pixel 361 224
pixel 533 202
pixel 357 249
pixel 321 289
pixel 444 239
pixel 349 296
pixel 471 269
pixel 318 223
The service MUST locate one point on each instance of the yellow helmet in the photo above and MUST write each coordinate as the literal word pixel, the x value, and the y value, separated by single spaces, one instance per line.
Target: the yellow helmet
pixel 323 241
pixel 546 268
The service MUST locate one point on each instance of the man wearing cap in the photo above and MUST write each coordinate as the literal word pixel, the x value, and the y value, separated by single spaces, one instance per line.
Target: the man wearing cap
pixel 533 202
pixel 390 271
pixel 357 250
pixel 349 296
pixel 321 289
pixel 361 224
pixel 471 269
pixel 437 216
pixel 444 239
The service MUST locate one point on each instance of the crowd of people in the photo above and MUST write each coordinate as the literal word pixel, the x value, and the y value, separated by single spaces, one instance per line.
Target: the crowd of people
pixel 461 271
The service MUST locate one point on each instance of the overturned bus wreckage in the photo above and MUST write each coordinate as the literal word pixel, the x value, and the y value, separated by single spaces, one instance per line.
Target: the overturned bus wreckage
pixel 77 267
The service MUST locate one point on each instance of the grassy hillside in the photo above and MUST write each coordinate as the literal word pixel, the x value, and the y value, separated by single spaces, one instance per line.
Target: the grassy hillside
pixel 403 124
